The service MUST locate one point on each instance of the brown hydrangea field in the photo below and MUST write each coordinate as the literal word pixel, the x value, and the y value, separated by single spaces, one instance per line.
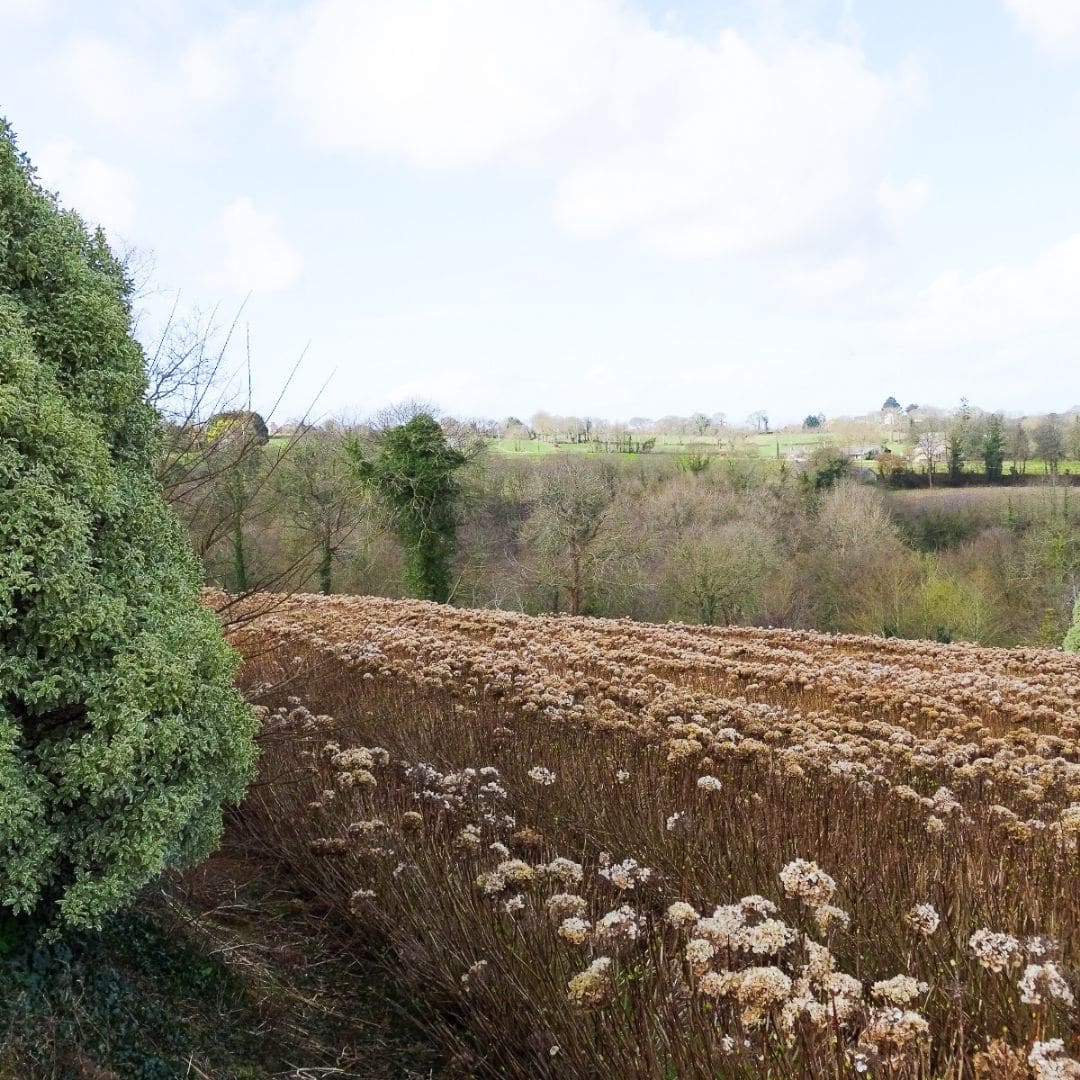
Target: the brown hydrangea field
pixel 602 848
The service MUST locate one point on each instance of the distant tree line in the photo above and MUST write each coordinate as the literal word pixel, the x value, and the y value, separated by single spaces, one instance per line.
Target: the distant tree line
pixel 420 507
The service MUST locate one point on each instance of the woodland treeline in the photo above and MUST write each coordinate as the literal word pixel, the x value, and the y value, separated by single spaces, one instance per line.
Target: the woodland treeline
pixel 714 539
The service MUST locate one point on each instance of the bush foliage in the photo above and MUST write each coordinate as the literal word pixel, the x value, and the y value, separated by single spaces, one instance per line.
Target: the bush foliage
pixel 120 732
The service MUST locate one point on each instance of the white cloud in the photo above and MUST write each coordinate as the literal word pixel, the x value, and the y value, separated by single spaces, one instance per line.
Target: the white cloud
pixel 443 85
pixel 249 252
pixel 1054 24
pixel 1003 304
pixel 101 193
pixel 24 10
pixel 162 96
pixel 695 147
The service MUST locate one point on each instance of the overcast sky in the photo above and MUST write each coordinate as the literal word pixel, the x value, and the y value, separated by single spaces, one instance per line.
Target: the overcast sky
pixel 587 206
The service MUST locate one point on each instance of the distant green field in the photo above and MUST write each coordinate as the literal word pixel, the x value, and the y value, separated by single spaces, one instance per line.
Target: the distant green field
pixel 533 446
pixel 766 445
pixel 773 445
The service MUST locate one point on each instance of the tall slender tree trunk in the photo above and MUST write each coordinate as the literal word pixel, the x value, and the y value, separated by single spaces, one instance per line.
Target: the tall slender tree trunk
pixel 575 577
pixel 239 560
pixel 326 564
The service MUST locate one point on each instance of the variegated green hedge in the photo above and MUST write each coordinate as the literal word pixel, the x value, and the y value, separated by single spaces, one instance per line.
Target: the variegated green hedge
pixel 120 732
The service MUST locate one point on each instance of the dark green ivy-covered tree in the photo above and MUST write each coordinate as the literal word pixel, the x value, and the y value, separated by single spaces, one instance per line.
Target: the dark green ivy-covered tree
pixel 120 732
pixel 1072 638
pixel 413 472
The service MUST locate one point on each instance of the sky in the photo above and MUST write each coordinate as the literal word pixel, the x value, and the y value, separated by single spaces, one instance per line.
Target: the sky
pixel 617 208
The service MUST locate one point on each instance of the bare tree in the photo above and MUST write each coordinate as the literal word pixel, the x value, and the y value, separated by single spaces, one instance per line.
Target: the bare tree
pixel 572 532
pixel 719 574
pixel 1050 442
pixel 214 468
pixel 930 445
pixel 759 420
pixel 319 499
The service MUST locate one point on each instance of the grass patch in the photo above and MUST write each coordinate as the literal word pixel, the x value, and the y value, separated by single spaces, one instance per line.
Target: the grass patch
pixel 217 973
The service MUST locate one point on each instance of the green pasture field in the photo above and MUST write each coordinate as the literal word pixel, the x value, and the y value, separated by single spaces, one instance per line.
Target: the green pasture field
pixel 770 446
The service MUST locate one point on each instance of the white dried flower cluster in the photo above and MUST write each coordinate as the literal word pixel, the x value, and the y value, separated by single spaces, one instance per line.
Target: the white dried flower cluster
pixel 822 996
pixel 681 915
pixel 367 829
pixel 359 898
pixel 565 905
pixel 538 774
pixel 514 904
pixel 621 776
pixel 474 972
pixel 808 882
pixel 491 883
pixel 593 986
pixel 760 991
pixel 620 925
pixel 508 872
pixel 516 871
pixel 676 821
pixel 574 930
pixel 723 926
pixel 357 757
pixel 447 791
pixel 1042 981
pixel 699 952
pixel 943 802
pixel 718 984
pixel 565 871
pixel 829 917
pixel 924 919
pixel 709 783
pixel 844 993
pixel 1049 1061
pixel 993 950
pixel 767 938
pixel 895 1033
pixel 820 963
pixel 756 905
pixel 899 990
pixel 468 839
pixel 1038 948
pixel 747 926
pixel 626 875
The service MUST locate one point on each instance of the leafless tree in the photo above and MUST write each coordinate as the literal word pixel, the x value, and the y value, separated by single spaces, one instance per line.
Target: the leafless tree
pixel 574 538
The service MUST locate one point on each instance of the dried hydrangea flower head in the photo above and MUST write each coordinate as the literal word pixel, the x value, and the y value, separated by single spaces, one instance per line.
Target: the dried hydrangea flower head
pixel 575 930
pixel 995 951
pixel 899 990
pixel 592 987
pixel 1049 1061
pixel 924 919
pixel 1042 982
pixel 681 915
pixel 808 882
